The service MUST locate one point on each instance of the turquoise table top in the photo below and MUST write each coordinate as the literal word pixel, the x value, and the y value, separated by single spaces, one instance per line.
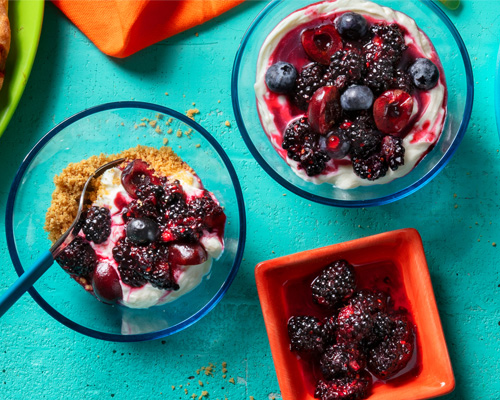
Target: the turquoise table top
pixel 457 215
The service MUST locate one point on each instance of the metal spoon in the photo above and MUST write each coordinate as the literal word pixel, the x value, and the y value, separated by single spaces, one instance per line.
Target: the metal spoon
pixel 28 279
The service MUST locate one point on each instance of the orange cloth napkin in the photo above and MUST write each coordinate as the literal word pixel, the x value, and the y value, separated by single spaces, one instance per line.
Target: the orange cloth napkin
pixel 120 28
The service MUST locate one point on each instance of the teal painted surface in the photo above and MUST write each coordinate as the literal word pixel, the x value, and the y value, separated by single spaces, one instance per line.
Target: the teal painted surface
pixel 457 215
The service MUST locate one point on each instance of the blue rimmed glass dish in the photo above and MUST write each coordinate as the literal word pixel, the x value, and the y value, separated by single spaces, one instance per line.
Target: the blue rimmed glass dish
pixel 458 72
pixel 111 128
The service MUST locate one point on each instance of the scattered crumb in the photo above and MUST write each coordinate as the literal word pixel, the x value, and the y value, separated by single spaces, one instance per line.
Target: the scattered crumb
pixel 158 130
pixel 173 387
pixel 227 123
pixel 122 124
pixel 136 126
pixel 224 376
pixel 153 123
pixel 170 120
pixel 145 119
pixel 193 103
pixel 165 141
pixel 456 206
pixel 166 93
pixel 196 34
pixel 494 244
pixel 200 383
pixel 170 131
pixel 142 124
pixel 185 391
pixel 192 112
pixel 252 398
pixel 204 393
pixel 232 381
pixel 454 195
pixel 188 132
pixel 159 116
pixel 179 133
pixel 198 146
pixel 218 101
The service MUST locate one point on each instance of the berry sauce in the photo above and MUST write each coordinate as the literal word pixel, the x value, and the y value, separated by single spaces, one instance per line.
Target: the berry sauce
pixel 384 276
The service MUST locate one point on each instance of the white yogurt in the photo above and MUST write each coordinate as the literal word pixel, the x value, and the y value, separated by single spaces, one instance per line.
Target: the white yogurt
pixel 425 132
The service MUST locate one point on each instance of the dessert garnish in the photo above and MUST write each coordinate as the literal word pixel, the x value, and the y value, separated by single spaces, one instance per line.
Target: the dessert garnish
pixel 357 78
pixel 353 337
pixel 150 234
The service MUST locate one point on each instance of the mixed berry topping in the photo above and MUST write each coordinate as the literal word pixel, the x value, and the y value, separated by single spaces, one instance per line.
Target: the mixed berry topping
pixel 363 337
pixel 97 224
pixel 162 231
pixel 356 69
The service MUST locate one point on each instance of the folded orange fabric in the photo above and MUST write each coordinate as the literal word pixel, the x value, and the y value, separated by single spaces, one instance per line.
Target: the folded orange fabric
pixel 120 28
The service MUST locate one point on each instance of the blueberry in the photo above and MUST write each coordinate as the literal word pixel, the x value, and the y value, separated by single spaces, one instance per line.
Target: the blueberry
pixel 352 26
pixel 280 77
pixel 356 98
pixel 424 73
pixel 335 145
pixel 142 230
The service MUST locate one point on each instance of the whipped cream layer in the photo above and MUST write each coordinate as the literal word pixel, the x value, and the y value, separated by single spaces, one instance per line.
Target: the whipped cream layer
pixel 429 110
pixel 111 195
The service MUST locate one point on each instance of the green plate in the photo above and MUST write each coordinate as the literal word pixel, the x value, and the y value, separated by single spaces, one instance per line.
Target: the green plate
pixel 26 24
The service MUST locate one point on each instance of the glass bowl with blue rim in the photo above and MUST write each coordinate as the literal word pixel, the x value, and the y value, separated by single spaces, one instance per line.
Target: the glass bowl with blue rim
pixel 458 73
pixel 111 128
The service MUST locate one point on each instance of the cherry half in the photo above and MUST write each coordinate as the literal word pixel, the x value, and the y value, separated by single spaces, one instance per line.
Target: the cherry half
pixel 392 111
pixel 321 43
pixel 324 109
pixel 106 284
pixel 186 254
pixel 135 174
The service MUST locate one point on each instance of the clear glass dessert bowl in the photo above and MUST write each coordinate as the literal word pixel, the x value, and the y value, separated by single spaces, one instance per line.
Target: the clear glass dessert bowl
pixel 458 73
pixel 111 128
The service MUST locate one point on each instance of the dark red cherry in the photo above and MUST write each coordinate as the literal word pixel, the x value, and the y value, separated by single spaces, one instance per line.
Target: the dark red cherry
pixel 392 111
pixel 322 43
pixel 186 254
pixel 324 109
pixel 135 174
pixel 106 284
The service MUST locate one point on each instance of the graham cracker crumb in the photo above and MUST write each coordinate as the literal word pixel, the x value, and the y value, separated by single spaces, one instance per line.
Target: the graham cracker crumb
pixel 200 383
pixel 494 244
pixel 166 93
pixel 158 130
pixel 159 116
pixel 198 146
pixel 191 112
pixel 179 133
pixel 227 123
pixel 232 381
pixel 69 183
pixel 142 124
pixel 153 123
pixel 165 140
pixel 170 131
pixel 136 126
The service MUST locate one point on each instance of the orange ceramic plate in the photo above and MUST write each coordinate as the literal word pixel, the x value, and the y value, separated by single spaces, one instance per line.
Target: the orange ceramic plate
pixel 402 248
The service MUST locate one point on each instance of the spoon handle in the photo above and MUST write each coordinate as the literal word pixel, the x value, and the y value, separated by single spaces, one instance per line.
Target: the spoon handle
pixel 25 281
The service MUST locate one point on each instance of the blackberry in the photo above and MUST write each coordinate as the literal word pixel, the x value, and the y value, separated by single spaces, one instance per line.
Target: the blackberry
pixel 354 324
pixel 78 258
pixel 342 360
pixel 329 328
pixel 374 301
pixel 306 334
pixel 395 350
pixel 141 264
pixel 382 327
pixel 97 225
pixel 371 168
pixel 402 81
pixel 387 42
pixel 349 388
pixel 335 284
pixel 161 278
pixel 302 145
pixel 150 191
pixel 393 151
pixel 309 80
pixel 346 67
pixel 389 357
pixel 364 140
pixel 379 76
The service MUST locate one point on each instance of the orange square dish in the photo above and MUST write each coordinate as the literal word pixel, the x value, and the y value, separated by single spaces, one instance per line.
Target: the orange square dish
pixel 399 254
